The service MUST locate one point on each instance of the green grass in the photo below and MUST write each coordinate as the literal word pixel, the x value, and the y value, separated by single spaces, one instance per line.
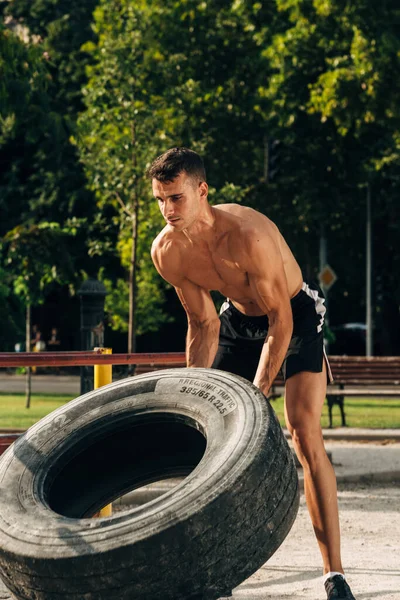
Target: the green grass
pixel 368 413
pixel 14 415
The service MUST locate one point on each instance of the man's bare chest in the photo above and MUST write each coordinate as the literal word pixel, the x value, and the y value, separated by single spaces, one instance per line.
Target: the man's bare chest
pixel 215 271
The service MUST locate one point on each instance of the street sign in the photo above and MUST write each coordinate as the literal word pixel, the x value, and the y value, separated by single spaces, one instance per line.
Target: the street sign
pixel 327 277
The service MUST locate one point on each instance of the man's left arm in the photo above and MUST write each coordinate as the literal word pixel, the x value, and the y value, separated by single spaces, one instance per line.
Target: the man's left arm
pixel 268 282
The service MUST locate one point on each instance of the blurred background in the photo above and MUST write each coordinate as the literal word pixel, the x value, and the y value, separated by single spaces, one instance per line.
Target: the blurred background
pixel 294 106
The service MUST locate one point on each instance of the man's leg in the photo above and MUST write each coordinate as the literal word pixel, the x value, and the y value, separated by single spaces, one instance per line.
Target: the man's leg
pixel 304 398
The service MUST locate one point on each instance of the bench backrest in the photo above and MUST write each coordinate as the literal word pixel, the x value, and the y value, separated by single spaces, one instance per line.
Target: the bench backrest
pixel 379 370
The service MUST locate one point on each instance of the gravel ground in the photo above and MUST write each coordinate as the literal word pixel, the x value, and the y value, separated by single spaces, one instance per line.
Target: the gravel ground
pixel 370 525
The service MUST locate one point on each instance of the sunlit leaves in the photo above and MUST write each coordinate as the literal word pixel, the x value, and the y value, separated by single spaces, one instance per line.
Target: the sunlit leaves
pixel 35 256
pixel 123 128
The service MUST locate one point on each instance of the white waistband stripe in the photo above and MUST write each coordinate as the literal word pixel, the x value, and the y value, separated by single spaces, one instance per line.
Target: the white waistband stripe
pixel 224 306
pixel 319 303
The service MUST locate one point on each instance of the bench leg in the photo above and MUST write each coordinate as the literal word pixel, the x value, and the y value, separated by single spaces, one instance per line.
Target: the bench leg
pixel 330 413
pixel 341 406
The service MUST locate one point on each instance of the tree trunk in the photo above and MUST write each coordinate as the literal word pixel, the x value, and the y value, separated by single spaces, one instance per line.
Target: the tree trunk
pixel 132 283
pixel 27 349
pixel 133 264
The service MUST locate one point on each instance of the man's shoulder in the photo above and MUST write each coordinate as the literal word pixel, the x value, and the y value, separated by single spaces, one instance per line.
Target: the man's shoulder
pixel 166 254
pixel 246 222
pixel 253 232
pixel 165 241
pixel 235 209
pixel 247 218
pixel 160 239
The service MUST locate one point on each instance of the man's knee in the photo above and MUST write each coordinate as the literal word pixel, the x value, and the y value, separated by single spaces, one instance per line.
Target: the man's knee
pixel 309 445
pixel 300 421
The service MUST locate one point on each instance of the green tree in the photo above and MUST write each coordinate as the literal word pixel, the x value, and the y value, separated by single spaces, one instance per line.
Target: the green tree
pixel 60 27
pixel 209 68
pixel 122 129
pixel 222 78
pixel 333 100
pixel 24 115
pixel 23 112
pixel 41 177
pixel 12 326
pixel 37 179
pixel 36 258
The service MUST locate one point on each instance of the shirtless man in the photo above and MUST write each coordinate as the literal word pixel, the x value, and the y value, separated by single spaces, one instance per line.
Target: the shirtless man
pixel 271 319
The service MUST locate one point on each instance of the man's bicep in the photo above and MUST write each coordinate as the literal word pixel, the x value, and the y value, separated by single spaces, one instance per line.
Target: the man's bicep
pixel 197 302
pixel 272 294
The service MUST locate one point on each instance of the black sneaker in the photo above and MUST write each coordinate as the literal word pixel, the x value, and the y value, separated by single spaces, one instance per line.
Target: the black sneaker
pixel 338 588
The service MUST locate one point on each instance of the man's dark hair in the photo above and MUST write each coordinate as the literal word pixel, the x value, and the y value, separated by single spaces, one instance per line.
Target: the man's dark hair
pixel 175 161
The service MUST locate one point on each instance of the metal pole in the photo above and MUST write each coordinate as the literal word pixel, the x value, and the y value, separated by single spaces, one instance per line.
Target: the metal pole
pixel 323 260
pixel 369 340
pixel 92 294
pixel 28 376
pixel 103 376
pixel 102 373
pixel 322 249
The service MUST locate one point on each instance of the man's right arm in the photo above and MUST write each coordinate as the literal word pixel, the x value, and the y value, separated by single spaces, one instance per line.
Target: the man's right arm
pixel 203 322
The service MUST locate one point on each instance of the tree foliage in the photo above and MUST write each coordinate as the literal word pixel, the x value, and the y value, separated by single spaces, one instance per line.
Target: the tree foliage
pixel 333 98
pixel 24 117
pixel 35 257
pixel 41 178
pixel 122 129
pixel 61 27
pixel 223 78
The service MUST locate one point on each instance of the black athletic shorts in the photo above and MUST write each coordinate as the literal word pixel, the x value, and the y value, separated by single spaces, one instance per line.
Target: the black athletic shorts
pixel 241 337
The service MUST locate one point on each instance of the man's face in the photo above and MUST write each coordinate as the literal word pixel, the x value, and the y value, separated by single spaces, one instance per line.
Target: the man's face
pixel 180 200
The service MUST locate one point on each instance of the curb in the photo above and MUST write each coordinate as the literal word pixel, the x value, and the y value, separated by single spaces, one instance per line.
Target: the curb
pixel 358 435
pixel 387 477
pixel 384 477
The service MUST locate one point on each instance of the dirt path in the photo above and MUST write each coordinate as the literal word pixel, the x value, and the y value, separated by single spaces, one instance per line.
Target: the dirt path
pixel 370 521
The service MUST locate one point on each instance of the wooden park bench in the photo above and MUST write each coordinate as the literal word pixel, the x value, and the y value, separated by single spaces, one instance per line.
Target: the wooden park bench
pixel 366 375
pixel 373 376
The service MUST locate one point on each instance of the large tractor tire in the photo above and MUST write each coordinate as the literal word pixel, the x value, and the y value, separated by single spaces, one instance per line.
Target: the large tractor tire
pixel 4 592
pixel 222 522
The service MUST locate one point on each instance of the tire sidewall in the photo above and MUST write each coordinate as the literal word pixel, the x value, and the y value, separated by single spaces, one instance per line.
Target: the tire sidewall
pixel 233 439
